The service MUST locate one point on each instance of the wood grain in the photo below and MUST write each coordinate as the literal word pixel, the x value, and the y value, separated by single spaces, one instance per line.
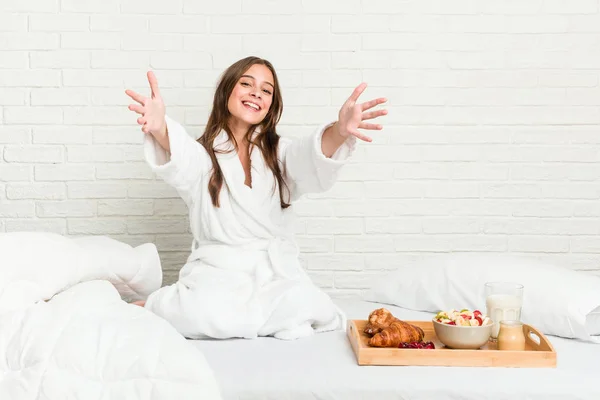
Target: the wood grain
pixel 535 355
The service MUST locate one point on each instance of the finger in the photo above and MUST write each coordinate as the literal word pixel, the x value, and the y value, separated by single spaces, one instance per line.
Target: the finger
pixel 141 120
pixel 357 92
pixel 365 125
pixel 372 103
pixel 145 128
pixel 153 84
pixel 135 96
pixel 361 136
pixel 136 108
pixel 374 114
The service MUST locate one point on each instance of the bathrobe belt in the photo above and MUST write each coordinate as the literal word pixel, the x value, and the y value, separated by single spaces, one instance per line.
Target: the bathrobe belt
pixel 281 253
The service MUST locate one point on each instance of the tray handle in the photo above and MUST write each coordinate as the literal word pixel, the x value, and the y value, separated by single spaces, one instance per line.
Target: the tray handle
pixel 536 339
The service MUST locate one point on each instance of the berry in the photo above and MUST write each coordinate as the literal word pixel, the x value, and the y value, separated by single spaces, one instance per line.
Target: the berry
pixel 417 345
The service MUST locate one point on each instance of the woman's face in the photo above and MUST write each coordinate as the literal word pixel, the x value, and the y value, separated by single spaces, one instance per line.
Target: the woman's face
pixel 252 96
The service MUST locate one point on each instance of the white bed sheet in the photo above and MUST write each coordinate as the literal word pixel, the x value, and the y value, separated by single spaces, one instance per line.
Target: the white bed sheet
pixel 324 367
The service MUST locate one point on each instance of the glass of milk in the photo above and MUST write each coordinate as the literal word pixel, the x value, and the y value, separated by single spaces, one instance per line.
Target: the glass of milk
pixel 504 301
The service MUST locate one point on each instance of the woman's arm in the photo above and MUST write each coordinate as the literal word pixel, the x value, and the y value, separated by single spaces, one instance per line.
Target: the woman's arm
pixel 152 111
pixel 350 119
pixel 312 164
pixel 169 150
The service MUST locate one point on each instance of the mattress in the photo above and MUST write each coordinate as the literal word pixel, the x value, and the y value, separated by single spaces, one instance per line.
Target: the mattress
pixel 324 367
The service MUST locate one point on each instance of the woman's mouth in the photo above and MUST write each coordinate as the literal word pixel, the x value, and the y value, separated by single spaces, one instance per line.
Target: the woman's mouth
pixel 251 106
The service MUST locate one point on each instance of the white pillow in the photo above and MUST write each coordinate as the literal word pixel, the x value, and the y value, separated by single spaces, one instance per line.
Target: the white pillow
pixel 556 300
pixel 134 271
pixel 35 266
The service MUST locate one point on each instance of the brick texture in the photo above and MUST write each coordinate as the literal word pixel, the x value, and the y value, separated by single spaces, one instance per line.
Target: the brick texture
pixel 492 142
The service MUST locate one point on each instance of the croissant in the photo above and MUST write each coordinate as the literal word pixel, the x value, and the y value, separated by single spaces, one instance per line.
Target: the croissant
pixel 378 320
pixel 397 332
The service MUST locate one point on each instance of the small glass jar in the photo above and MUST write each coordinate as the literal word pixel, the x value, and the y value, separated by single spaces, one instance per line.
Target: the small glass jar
pixel 511 336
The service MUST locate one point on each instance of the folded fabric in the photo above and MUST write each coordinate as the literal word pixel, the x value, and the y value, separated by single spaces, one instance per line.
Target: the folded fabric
pixel 37 265
pixel 86 343
pixel 66 333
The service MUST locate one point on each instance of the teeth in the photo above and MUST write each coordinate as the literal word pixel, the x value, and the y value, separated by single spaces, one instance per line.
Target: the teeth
pixel 252 105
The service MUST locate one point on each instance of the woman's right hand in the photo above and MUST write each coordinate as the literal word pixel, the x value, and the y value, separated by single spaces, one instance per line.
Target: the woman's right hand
pixel 152 111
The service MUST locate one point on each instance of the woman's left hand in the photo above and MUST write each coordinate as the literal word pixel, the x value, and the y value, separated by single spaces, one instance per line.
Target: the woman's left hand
pixel 352 114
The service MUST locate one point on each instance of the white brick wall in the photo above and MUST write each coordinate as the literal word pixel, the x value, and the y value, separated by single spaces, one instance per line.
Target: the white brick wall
pixel 492 142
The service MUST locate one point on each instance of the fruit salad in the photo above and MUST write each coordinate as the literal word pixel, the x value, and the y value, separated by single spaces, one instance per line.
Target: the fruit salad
pixel 464 317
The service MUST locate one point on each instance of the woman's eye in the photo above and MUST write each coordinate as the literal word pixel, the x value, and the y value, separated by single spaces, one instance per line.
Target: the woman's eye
pixel 245 84
pixel 266 91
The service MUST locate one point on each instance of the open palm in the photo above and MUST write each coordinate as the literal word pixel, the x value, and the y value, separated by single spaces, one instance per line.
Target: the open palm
pixel 151 109
pixel 352 114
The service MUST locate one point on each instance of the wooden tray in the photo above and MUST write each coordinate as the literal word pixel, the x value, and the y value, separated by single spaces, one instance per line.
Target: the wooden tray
pixel 536 355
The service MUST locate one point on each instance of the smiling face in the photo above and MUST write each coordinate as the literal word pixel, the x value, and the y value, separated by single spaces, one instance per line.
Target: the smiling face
pixel 251 97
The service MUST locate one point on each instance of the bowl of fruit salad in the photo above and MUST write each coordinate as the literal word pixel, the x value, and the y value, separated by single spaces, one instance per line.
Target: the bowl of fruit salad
pixel 462 329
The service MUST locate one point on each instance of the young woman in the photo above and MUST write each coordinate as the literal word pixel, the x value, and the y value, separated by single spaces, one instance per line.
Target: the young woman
pixel 243 277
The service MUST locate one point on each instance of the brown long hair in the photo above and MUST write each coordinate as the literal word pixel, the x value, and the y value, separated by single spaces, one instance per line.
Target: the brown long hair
pixel 267 139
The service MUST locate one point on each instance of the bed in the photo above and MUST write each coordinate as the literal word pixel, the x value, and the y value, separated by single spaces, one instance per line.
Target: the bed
pixel 323 367
pixel 68 332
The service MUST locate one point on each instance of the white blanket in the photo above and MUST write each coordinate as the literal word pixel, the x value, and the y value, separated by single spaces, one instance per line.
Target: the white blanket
pixel 243 277
pixel 66 333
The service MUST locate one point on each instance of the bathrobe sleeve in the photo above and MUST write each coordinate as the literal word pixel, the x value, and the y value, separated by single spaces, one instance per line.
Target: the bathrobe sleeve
pixel 306 168
pixel 183 166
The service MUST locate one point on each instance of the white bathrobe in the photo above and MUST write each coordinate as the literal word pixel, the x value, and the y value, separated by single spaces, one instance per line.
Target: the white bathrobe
pixel 243 278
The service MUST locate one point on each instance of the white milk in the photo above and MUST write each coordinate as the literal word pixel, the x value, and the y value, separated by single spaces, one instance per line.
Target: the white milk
pixel 503 307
